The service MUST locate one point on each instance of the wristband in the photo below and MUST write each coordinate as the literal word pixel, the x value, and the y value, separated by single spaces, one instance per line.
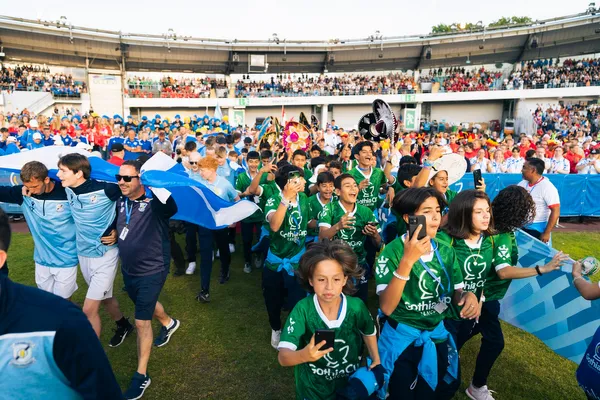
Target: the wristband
pixel 427 163
pixel 537 269
pixel 402 278
pixel 285 203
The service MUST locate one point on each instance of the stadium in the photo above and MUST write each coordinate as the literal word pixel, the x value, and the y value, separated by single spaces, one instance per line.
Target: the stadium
pixel 493 96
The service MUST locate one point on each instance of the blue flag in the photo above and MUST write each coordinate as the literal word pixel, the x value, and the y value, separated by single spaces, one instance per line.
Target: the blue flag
pixel 549 306
pixel 165 177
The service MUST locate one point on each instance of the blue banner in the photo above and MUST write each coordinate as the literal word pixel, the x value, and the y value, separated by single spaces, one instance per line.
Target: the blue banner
pixel 579 194
pixel 549 306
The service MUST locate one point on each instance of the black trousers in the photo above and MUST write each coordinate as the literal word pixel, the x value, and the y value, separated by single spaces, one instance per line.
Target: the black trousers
pixel 405 382
pixel 177 254
pixel 492 344
pixel 274 286
pixel 231 232
pixel 248 229
pixel 206 240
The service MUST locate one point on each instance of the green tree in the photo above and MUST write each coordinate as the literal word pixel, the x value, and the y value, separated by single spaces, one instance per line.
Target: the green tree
pixel 441 28
pixel 511 21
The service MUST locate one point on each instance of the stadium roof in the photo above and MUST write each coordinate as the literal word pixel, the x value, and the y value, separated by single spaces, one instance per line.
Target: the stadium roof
pixel 61 43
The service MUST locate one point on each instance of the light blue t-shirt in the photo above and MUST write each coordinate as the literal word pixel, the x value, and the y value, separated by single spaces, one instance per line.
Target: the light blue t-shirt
pixel 221 187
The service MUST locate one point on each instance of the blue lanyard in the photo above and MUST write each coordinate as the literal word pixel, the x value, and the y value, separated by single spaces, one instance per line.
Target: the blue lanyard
pixel 435 277
pixel 128 212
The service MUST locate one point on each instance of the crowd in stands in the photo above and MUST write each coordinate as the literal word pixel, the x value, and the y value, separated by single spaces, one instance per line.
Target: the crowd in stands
pixel 462 80
pixel 323 85
pixel 169 87
pixel 549 74
pixel 37 78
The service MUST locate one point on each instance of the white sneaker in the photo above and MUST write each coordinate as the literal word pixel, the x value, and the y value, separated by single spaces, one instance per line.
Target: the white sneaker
pixel 482 393
pixel 218 255
pixel 275 338
pixel 247 268
pixel 231 248
pixel 191 268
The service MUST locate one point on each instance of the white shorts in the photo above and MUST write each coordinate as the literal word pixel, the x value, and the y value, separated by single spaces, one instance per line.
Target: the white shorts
pixel 99 273
pixel 59 281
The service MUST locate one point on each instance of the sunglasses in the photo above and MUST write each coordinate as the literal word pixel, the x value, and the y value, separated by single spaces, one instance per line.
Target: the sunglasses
pixel 193 162
pixel 126 178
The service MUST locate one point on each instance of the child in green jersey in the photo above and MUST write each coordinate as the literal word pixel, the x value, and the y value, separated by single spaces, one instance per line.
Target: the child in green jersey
pixel 512 209
pixel 254 222
pixel 327 270
pixel 353 223
pixel 416 281
pixel 287 212
pixel 469 231
pixel 318 202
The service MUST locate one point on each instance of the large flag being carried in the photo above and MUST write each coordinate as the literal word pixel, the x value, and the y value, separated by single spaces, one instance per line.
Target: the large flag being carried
pixel 195 202
pixel 549 306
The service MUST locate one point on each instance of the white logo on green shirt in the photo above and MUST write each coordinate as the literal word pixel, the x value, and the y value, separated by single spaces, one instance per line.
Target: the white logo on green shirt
pixel 429 288
pixel 474 267
pixel 382 269
pixel 503 252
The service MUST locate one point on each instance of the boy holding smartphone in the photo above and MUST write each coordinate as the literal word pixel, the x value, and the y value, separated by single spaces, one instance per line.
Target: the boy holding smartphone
pixel 351 222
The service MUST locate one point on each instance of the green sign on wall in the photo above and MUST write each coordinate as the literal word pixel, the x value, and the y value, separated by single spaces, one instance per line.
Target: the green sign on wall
pixel 410 119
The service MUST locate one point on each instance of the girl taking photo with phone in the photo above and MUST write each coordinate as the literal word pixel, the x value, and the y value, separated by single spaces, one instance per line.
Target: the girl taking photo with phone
pixel 469 231
pixel 418 277
pixel 327 270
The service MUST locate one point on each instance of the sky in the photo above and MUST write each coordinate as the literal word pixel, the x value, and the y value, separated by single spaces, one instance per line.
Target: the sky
pixel 301 19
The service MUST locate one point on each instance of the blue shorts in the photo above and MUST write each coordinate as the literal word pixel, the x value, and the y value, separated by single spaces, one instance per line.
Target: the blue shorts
pixel 144 292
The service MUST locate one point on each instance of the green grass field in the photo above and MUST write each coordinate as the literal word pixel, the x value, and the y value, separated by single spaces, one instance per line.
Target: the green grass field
pixel 223 351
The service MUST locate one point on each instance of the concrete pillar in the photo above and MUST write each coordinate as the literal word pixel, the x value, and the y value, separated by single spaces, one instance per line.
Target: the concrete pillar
pixel 323 118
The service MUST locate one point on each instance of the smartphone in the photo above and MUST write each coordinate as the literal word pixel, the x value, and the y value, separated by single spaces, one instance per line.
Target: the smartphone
pixel 275 158
pixel 328 335
pixel 373 224
pixel 413 222
pixel 477 177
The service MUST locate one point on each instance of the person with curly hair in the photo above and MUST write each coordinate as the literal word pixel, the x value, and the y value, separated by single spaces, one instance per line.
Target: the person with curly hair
pixel 512 209
pixel 327 270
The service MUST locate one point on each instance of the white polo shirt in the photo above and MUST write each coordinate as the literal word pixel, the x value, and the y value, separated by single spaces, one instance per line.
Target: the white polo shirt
pixel 545 196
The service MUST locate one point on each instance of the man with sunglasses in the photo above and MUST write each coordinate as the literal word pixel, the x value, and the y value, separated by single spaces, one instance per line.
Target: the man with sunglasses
pixel 93 208
pixel 144 248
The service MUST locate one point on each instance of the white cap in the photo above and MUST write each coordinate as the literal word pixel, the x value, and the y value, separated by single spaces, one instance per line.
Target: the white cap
pixel 83 146
pixel 33 123
pixel 11 139
pixel 37 136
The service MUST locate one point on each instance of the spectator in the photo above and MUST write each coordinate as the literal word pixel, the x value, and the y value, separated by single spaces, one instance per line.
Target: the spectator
pixel 590 164
pixel 514 164
pixel 559 164
pixel 118 154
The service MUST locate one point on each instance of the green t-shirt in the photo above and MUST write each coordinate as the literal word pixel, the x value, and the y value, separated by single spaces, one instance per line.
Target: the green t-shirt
pixel 401 227
pixel 369 196
pixel 319 380
pixel 316 211
pixel 353 236
pixel 475 263
pixel 348 165
pixel 506 253
pixel 450 195
pixel 269 188
pixel 291 237
pixel 421 293
pixel 242 183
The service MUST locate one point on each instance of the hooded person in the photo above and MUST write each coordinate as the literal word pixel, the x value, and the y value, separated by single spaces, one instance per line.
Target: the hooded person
pixel 36 141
